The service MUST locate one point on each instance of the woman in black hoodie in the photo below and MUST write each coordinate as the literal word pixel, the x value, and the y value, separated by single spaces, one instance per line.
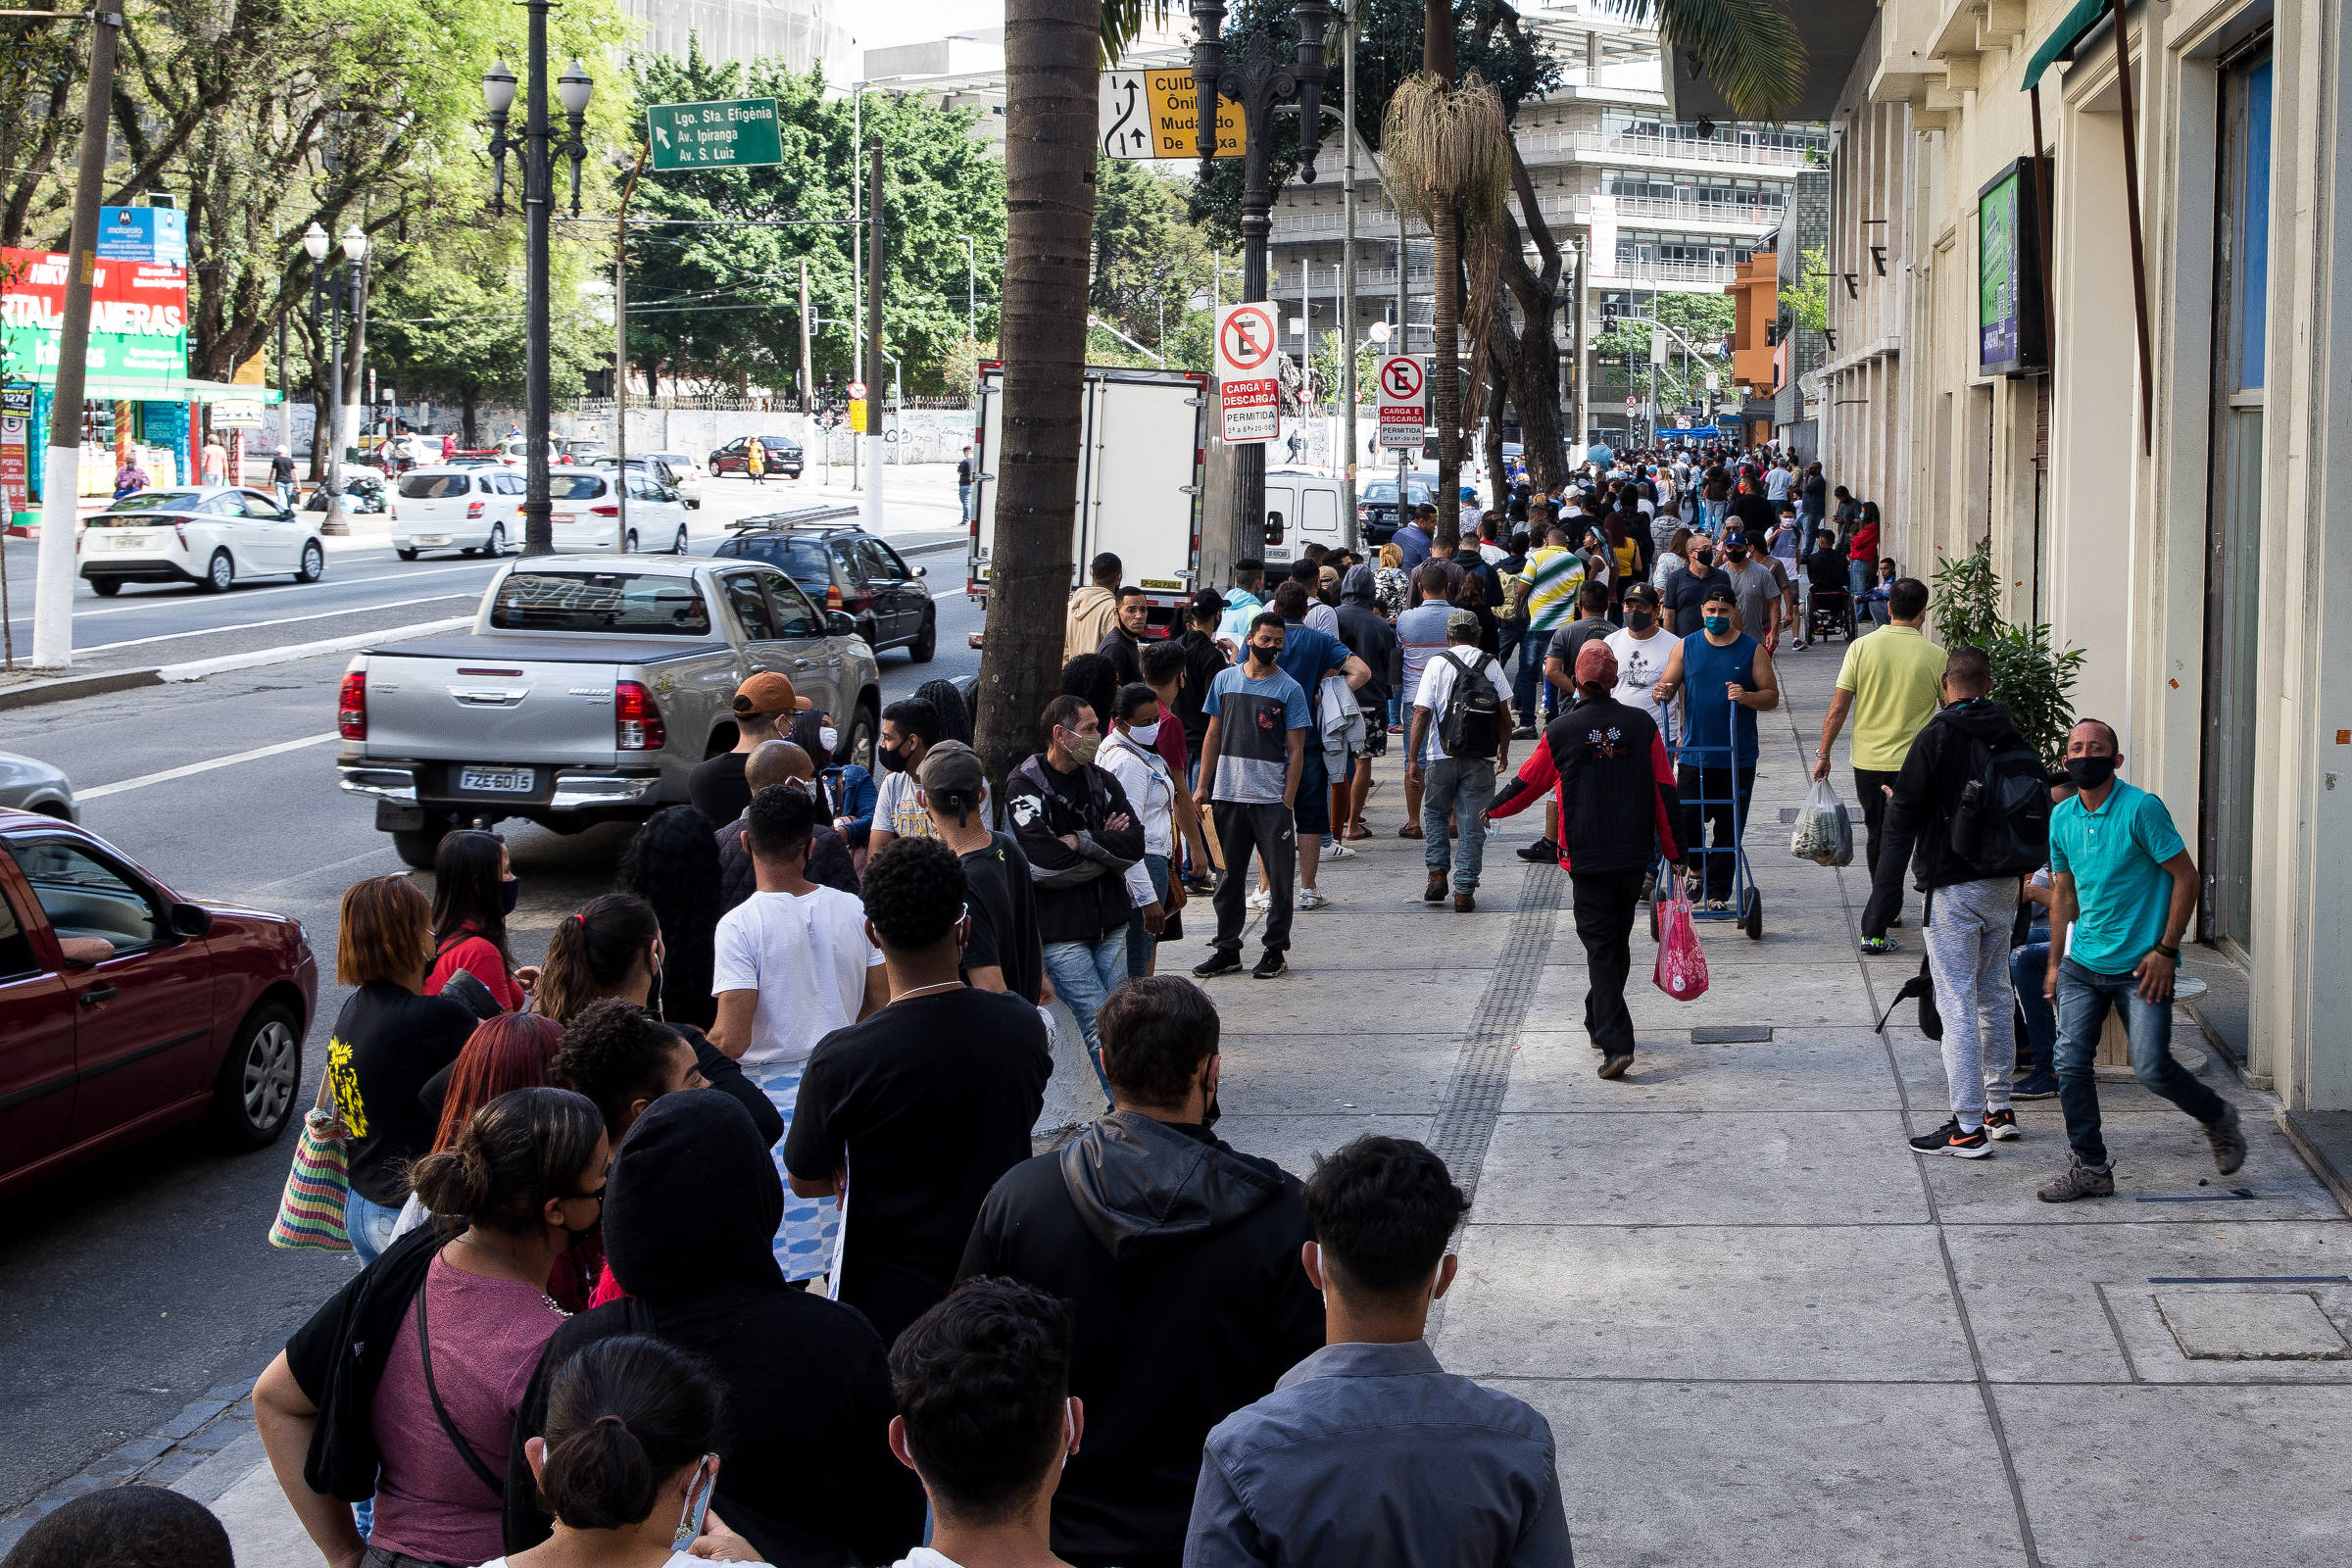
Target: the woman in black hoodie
pixel 689 1213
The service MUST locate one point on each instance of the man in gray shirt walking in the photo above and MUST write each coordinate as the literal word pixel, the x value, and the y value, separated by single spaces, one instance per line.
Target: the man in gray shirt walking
pixel 1368 1454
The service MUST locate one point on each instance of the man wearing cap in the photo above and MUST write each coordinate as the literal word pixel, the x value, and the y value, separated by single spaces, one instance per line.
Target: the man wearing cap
pixel 1618 811
pixel 1455 787
pixel 1467 520
pixel 1725 679
pixel 763 705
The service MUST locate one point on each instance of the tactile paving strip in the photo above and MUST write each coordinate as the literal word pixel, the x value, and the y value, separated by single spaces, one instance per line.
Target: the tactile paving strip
pixel 1464 1122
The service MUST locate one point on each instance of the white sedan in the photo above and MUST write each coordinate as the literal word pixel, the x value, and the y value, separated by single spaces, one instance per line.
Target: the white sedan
pixel 585 514
pixel 467 507
pixel 206 535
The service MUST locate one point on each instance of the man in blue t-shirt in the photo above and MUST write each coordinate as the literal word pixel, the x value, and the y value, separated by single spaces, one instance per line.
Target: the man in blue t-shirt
pixel 1725 679
pixel 1307 656
pixel 1252 763
pixel 2123 879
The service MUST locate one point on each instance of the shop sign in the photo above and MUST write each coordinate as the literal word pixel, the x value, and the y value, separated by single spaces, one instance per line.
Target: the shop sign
pixel 138 317
pixel 2010 339
pixel 156 235
pixel 16 422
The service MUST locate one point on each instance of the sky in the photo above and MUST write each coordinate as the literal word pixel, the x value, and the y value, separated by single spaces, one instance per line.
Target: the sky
pixel 881 27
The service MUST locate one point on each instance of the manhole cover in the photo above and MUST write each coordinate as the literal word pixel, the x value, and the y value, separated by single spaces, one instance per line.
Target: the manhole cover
pixel 1731 1034
pixel 2252 1326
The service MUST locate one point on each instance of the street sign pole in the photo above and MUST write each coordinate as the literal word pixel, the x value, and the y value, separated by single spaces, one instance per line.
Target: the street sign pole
pixel 873 341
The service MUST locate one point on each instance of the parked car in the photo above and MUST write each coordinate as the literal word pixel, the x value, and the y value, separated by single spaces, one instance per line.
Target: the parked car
pixel 666 469
pixel 586 450
pixel 126 1009
pixel 1375 505
pixel 844 567
pixel 472 510
pixel 587 692
pixel 206 535
pixel 783 457
pixel 30 785
pixel 586 515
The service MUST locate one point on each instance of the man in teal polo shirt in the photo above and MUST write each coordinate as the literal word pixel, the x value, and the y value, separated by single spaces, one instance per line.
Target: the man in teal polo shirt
pixel 2122 878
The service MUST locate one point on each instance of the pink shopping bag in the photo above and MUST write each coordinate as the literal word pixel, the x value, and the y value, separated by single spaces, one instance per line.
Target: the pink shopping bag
pixel 1681 969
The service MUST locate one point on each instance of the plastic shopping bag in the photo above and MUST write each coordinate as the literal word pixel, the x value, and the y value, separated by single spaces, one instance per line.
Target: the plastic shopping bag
pixel 1825 834
pixel 1681 969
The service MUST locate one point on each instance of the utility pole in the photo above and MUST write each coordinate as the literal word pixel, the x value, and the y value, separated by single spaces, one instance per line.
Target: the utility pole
pixel 858 269
pixel 874 343
pixel 285 388
pixel 1584 366
pixel 620 350
pixel 1348 390
pixel 809 367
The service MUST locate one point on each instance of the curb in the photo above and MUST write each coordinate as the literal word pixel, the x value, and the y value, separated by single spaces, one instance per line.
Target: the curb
pixel 64 687
pixel 2337 1181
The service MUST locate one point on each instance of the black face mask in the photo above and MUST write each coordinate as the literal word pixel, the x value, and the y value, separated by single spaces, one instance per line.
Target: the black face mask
pixel 510 889
pixel 892 762
pixel 574 1235
pixel 2090 772
pixel 1264 656
pixel 1639 619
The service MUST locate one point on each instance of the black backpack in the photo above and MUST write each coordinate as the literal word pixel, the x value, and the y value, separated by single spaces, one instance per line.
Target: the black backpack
pixel 1473 724
pixel 2001 820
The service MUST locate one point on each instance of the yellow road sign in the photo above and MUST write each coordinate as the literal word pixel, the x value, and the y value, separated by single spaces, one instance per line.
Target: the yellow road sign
pixel 858 416
pixel 1151 114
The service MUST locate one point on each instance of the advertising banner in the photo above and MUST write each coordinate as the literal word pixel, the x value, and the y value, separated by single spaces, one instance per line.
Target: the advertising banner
pixel 158 235
pixel 138 318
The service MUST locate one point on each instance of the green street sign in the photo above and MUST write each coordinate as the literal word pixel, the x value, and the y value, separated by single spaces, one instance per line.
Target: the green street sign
pixel 739 133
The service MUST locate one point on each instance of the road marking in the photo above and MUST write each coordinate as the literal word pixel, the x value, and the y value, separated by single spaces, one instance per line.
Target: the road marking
pixel 150 603
pixel 287 654
pixel 282 621
pixel 194 769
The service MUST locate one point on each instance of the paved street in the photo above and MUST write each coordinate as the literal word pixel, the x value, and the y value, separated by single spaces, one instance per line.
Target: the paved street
pixel 1762 1329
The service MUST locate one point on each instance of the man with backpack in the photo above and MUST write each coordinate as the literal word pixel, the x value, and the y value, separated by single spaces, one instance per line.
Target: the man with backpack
pixel 1461 737
pixel 1971 815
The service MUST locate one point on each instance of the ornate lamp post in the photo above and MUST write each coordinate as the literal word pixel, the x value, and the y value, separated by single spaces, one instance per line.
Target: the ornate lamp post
pixel 1257 83
pixel 335 295
pixel 535 145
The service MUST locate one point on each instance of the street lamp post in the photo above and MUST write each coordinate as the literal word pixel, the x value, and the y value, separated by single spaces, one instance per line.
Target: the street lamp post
pixel 1257 83
pixel 335 295
pixel 538 150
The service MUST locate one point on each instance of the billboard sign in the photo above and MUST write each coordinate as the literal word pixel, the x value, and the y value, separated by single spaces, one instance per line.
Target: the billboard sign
pixel 156 235
pixel 2010 339
pixel 138 318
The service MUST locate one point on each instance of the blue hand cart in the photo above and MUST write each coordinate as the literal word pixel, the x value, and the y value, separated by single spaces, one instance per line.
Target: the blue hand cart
pixel 1747 905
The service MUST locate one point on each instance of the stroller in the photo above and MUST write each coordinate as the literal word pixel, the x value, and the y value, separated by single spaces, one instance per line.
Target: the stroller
pixel 1832 614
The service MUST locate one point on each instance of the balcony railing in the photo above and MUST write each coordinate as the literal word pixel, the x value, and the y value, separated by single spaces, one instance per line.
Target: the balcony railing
pixel 1378 226
pixel 1667 146
pixel 1671 274
pixel 1699 214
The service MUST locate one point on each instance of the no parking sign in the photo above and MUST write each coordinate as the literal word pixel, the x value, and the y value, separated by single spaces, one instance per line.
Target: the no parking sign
pixel 1248 387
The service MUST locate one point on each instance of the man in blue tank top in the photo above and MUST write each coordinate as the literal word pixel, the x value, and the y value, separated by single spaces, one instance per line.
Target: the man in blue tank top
pixel 1725 679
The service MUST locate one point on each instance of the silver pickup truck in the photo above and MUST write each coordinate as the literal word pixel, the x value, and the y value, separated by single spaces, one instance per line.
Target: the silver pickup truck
pixel 587 691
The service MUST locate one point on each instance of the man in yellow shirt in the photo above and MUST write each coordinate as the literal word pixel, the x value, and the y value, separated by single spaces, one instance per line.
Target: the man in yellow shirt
pixel 1889 683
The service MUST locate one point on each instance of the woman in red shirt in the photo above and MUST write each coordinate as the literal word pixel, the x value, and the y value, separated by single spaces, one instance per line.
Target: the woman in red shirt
pixel 1862 562
pixel 474 892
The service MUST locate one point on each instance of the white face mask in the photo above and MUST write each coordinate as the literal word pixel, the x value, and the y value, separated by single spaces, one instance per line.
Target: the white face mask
pixel 827 736
pixel 1144 734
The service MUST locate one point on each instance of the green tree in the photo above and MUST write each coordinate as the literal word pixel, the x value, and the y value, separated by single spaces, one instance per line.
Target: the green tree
pixel 1327 369
pixel 1150 261
pixel 2030 678
pixel 1807 300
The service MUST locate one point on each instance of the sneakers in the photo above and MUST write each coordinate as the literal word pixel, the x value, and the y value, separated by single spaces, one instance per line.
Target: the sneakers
pixel 1434 893
pixel 1466 903
pixel 2036 1086
pixel 2001 1125
pixel 1309 898
pixel 1875 946
pixel 1220 962
pixel 1339 852
pixel 1949 1138
pixel 2080 1181
pixel 1525 733
pixel 1259 899
pixel 1615 1063
pixel 1201 884
pixel 1540 852
pixel 1271 965
pixel 2228 1141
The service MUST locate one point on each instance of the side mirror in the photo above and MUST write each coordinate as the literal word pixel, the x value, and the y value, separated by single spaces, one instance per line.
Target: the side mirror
pixel 840 623
pixel 921 570
pixel 191 921
pixel 1273 527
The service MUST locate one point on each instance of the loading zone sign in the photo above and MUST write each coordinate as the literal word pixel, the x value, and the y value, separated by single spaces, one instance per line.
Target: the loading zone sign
pixel 1248 384
pixel 1403 402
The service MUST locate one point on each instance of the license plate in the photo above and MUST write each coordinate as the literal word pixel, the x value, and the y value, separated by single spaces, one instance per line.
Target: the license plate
pixel 432 538
pixel 563 516
pixel 138 541
pixel 497 780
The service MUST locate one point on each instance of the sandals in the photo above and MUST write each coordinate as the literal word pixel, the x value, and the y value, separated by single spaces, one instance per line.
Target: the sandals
pixel 1410 830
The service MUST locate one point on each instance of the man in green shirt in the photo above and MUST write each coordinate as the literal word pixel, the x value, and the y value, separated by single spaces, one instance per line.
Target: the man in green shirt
pixel 1889 683
pixel 2122 878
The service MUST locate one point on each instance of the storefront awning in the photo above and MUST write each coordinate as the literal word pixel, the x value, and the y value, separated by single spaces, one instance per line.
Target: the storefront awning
pixel 2085 15
pixel 167 389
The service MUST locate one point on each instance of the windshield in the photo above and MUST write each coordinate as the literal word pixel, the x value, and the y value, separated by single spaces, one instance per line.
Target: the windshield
pixel 432 486
pixel 636 603
pixel 574 487
pixel 157 500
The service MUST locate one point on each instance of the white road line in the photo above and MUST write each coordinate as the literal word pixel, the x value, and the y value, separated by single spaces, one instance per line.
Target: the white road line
pixel 151 602
pixel 193 768
pixel 282 621
pixel 287 654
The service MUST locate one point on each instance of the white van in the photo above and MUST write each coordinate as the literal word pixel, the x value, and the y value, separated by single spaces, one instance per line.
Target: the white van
pixel 1302 507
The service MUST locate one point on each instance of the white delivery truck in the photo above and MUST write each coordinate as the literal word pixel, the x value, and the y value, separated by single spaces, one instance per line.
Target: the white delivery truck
pixel 1142 441
pixel 1302 507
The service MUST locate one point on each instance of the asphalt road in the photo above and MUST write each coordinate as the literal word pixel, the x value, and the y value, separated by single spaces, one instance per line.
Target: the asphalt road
pixel 130 1287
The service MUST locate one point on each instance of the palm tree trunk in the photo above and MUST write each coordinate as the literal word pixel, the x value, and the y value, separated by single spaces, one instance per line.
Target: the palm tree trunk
pixel 1050 49
pixel 1445 368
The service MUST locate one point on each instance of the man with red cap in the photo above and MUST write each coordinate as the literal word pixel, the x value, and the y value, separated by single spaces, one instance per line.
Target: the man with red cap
pixel 1618 806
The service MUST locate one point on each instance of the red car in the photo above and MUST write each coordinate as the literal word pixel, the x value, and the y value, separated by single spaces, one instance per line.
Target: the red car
pixel 125 1010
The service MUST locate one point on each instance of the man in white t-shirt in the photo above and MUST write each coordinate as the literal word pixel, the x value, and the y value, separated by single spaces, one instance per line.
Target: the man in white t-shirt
pixel 792 963
pixel 1641 650
pixel 1455 789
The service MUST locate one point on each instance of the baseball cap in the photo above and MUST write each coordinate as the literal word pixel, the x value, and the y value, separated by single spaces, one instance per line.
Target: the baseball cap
pixel 1459 622
pixel 1595 665
pixel 769 693
pixel 1209 599
pixel 1469 493
pixel 953 769
pixel 1642 593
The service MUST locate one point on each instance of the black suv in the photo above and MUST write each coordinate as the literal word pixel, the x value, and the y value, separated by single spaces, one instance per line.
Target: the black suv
pixel 783 457
pixel 844 567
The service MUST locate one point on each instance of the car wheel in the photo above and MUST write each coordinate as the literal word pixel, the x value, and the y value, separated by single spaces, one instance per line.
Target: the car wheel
pixel 416 845
pixel 678 546
pixel 314 563
pixel 629 544
pixel 404 555
pixel 926 641
pixel 857 745
pixel 106 587
pixel 253 1098
pixel 496 545
pixel 220 575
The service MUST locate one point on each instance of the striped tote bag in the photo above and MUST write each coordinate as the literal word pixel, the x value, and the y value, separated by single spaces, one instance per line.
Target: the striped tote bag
pixel 311 1213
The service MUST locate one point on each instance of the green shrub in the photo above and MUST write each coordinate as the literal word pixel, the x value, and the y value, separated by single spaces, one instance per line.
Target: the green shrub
pixel 2029 678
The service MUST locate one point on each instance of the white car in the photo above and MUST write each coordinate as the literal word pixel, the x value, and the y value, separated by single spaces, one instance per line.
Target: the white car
pixel 586 515
pixel 207 535
pixel 462 506
pixel 664 468
pixel 685 477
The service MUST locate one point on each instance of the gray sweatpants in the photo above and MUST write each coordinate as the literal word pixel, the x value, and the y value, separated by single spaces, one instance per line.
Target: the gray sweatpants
pixel 1968 954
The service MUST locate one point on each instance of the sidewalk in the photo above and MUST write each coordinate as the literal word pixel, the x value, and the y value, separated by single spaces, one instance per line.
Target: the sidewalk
pixel 1764 1330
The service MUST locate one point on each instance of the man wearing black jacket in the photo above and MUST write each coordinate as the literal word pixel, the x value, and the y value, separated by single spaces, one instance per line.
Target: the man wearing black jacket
pixel 1618 806
pixel 1182 1257
pixel 1971 908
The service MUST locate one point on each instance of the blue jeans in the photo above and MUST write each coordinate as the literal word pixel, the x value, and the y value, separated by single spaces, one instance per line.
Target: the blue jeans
pixel 2026 967
pixel 1141 942
pixel 2084 1000
pixel 1460 787
pixel 1858 574
pixel 1534 644
pixel 369 1225
pixel 1084 973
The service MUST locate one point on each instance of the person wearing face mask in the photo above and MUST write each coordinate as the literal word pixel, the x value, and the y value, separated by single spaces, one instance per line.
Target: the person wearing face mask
pixel 1642 650
pixel 1252 764
pixel 2123 890
pixel 909 729
pixel 1686 592
pixel 762 707
pixel 475 889
pixel 1180 1256
pixel 1131 756
pixel 1758 590
pixel 1725 679
pixel 1084 846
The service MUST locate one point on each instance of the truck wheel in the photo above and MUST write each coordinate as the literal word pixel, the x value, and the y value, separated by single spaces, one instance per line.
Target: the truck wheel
pixel 416 845
pixel 857 745
pixel 253 1098
pixel 926 642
